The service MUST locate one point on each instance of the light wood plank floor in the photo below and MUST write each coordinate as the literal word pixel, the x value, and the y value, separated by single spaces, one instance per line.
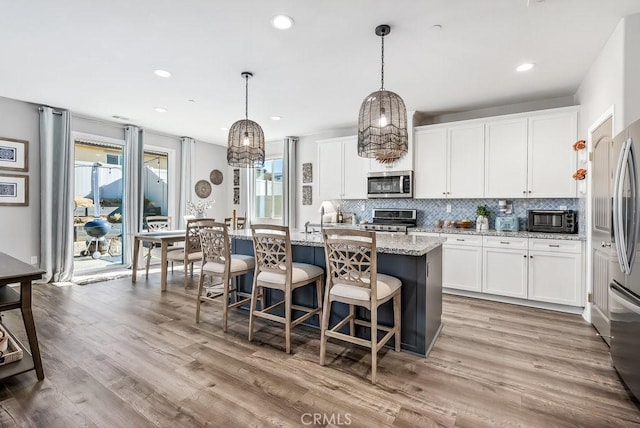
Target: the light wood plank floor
pixel 119 355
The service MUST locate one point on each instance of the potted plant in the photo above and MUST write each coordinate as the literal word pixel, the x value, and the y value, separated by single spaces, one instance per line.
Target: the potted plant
pixel 482 222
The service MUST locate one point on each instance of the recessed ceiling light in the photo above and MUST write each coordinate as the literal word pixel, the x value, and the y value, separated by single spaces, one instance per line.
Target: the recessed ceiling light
pixel 162 73
pixel 282 22
pixel 276 117
pixel 525 67
pixel 160 109
pixel 191 101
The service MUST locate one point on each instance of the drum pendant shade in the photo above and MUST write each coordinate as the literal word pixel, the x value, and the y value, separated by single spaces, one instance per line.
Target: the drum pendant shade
pixel 245 148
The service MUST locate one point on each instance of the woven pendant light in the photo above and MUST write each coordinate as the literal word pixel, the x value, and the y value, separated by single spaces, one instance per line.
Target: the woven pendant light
pixel 245 148
pixel 382 123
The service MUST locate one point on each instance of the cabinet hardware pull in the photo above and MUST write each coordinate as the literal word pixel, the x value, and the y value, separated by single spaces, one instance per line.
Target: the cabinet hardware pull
pixel 458 239
pixel 605 244
pixel 554 245
pixel 530 191
pixel 530 257
pixel 524 255
pixel 524 191
pixel 505 242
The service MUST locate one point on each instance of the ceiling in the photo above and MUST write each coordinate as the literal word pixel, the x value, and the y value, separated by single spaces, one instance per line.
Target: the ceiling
pixel 97 58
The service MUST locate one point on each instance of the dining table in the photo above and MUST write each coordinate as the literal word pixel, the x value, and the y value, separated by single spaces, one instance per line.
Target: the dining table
pixel 162 238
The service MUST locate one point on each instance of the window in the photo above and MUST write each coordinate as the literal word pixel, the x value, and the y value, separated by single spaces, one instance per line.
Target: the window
pixel 155 183
pixel 268 190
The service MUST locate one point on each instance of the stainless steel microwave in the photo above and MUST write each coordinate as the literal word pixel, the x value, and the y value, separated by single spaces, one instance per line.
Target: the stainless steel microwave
pixel 390 184
pixel 554 221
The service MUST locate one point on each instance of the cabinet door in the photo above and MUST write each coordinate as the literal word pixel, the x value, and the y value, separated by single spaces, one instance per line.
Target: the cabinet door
pixel 465 175
pixel 552 160
pixel 330 170
pixel 555 277
pixel 354 171
pixel 462 267
pixel 505 272
pixel 430 174
pixel 505 168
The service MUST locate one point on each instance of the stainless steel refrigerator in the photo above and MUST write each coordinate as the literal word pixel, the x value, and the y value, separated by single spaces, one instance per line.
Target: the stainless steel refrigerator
pixel 624 289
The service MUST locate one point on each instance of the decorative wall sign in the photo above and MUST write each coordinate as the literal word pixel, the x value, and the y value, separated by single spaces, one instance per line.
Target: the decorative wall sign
pixel 215 177
pixel 236 196
pixel 203 189
pixel 14 190
pixel 14 154
pixel 307 173
pixel 307 199
pixel 236 177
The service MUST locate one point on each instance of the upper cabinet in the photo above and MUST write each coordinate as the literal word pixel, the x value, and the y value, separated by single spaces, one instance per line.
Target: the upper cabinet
pixel 342 174
pixel 527 155
pixel 449 161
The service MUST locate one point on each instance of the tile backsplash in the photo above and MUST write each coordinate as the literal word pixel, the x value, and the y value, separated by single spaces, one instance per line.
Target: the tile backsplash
pixel 430 210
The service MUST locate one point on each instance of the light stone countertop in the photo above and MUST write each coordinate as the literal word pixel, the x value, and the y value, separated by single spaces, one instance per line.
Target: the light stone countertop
pixel 389 243
pixel 493 232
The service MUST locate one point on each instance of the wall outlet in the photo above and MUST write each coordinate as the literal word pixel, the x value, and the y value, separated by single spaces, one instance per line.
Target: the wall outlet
pixel 562 207
pixel 448 208
pixel 34 260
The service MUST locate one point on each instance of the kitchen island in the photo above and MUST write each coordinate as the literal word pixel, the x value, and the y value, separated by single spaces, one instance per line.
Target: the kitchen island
pixel 415 260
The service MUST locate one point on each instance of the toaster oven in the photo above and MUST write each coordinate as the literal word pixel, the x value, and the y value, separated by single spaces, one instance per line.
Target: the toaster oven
pixel 553 221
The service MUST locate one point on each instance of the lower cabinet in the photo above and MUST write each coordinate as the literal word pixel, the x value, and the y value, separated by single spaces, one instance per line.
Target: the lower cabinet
pixel 505 266
pixel 462 262
pixel 543 270
pixel 555 271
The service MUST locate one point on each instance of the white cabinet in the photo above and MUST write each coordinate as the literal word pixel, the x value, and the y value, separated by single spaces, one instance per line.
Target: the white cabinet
pixel 342 174
pixel 462 263
pixel 555 271
pixel 551 158
pixel 505 171
pixel 449 162
pixel 505 266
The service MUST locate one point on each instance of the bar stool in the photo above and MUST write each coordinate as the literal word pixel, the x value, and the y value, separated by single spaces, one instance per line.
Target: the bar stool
pixel 218 262
pixel 192 250
pixel 275 269
pixel 352 278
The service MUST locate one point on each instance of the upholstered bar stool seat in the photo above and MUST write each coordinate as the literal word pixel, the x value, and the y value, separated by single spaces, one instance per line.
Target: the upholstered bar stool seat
pixel 276 270
pixel 353 279
pixel 218 262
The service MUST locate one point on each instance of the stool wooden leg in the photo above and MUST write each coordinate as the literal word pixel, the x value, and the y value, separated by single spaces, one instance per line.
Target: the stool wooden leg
pixel 200 289
pixel 352 322
pixel 287 315
pixel 374 343
pixel 252 306
pixel 30 327
pixel 263 298
pixel 225 302
pixel 148 257
pixel 396 320
pixel 324 326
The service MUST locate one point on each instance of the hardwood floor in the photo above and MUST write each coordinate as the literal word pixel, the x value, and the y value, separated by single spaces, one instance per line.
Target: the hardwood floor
pixel 123 355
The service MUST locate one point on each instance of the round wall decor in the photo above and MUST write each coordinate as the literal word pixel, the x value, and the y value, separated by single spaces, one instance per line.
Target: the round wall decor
pixel 215 177
pixel 203 189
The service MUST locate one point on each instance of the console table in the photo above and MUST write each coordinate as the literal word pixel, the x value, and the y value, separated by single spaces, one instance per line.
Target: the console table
pixel 13 271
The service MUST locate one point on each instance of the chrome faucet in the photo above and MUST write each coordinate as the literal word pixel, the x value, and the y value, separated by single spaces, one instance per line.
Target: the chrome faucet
pixel 306 227
pixel 321 217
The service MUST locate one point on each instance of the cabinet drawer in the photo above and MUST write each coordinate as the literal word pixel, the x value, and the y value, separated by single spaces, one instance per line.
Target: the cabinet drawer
pixel 464 240
pixel 555 245
pixel 502 242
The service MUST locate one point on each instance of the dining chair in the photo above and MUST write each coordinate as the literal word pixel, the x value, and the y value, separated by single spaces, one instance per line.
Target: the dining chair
pixel 275 270
pixel 352 279
pixel 218 262
pixel 192 250
pixel 155 223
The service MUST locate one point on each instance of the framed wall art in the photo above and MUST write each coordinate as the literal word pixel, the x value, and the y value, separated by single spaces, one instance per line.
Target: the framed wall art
pixel 14 154
pixel 307 172
pixel 236 196
pixel 307 192
pixel 236 177
pixel 14 190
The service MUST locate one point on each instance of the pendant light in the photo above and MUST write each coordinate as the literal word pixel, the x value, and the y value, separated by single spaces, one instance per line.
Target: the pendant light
pixel 382 123
pixel 245 147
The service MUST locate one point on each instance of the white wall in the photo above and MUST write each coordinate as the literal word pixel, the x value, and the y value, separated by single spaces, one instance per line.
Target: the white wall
pixel 207 158
pixel 631 70
pixel 20 232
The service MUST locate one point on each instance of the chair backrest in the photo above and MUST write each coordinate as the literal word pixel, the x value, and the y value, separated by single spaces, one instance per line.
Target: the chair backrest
pixel 192 242
pixel 158 222
pixel 215 244
pixel 351 258
pixel 272 248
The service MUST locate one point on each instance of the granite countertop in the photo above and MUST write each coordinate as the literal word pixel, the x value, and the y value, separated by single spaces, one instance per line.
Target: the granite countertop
pixel 389 243
pixel 493 232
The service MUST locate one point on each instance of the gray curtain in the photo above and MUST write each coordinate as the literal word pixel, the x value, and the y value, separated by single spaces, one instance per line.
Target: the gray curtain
pixel 56 190
pixel 186 185
pixel 290 182
pixel 132 206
